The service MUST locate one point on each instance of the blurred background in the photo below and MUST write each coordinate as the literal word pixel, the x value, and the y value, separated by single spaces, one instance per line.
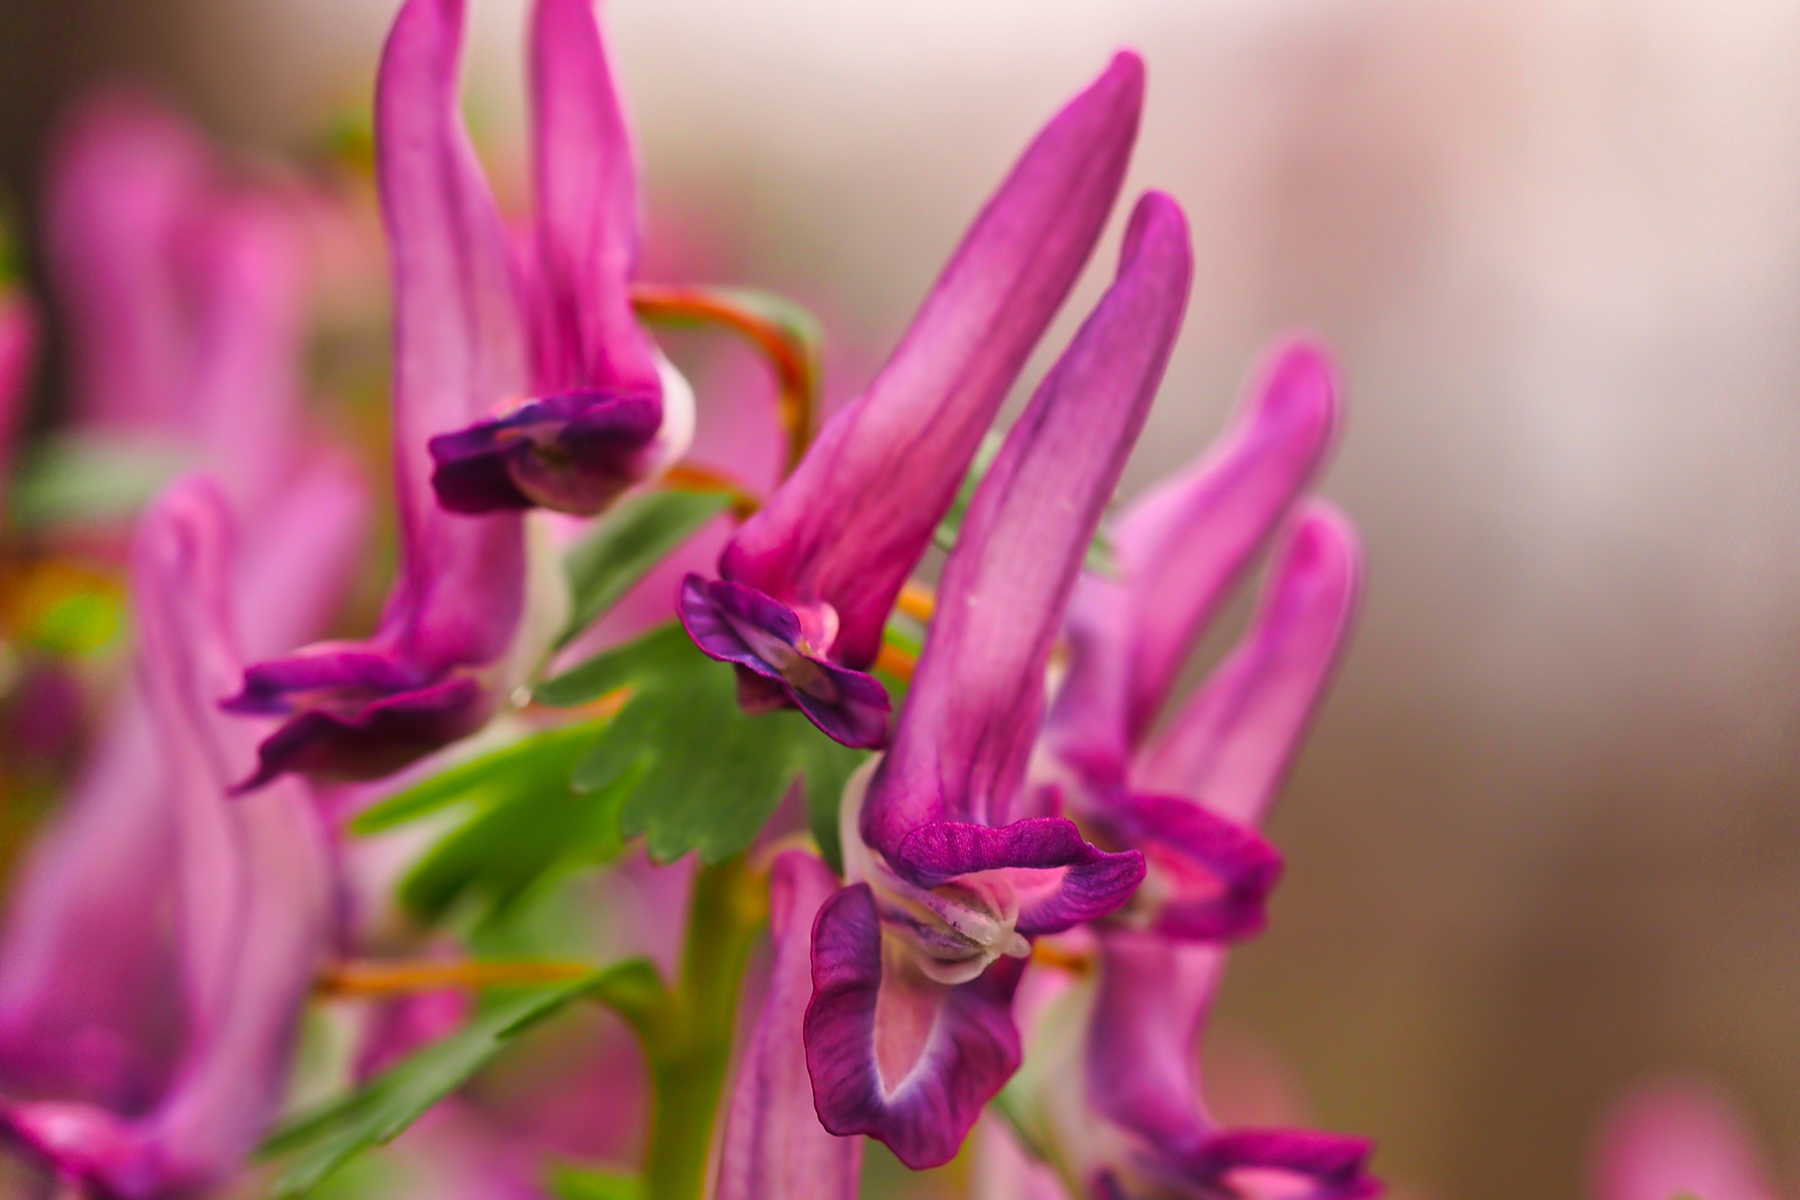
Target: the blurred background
pixel 1546 839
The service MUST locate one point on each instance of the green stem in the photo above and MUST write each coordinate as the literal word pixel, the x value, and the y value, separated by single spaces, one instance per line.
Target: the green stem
pixel 689 1044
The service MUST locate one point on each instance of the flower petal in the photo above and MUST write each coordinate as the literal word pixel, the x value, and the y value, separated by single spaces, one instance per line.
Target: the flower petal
pixel 1213 876
pixel 957 1045
pixel 850 523
pixel 774 1146
pixel 1678 1138
pixel 587 210
pixel 1142 1074
pixel 1231 746
pixel 762 637
pixel 253 889
pixel 977 700
pixel 1182 547
pixel 459 345
pixel 122 174
pixel 18 354
pixel 573 452
pixel 1074 882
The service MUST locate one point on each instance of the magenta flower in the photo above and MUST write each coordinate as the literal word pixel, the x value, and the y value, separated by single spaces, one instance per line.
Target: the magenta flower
pixel 250 886
pixel 1181 549
pixel 1678 1138
pixel 808 582
pixel 910 1028
pixel 774 1146
pixel 1115 1098
pixel 18 353
pixel 185 293
pixel 456 634
pixel 605 410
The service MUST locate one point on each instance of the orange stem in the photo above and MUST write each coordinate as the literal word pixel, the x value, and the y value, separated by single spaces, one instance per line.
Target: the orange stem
pixel 896 662
pixel 793 367
pixel 692 477
pixel 917 601
pixel 366 978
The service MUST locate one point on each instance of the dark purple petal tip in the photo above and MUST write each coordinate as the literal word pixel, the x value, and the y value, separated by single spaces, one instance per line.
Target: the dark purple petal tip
pixel 371 739
pixel 970 1051
pixel 1337 1167
pixel 574 452
pixel 763 638
pixel 1213 875
pixel 1082 883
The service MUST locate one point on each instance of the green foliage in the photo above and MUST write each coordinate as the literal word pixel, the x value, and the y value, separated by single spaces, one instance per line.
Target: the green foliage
pixel 324 1141
pixel 527 822
pixel 627 543
pixel 698 773
pixel 75 478
pixel 1100 559
pixel 573 1183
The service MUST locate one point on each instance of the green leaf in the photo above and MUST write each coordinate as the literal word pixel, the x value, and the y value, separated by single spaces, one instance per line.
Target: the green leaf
pixel 526 822
pixel 326 1140
pixel 90 477
pixel 573 1183
pixel 486 778
pixel 700 774
pixel 633 538
pixel 1100 558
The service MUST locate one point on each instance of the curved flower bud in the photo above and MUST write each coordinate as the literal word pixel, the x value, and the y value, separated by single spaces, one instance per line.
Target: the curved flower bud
pixel 252 892
pixel 89 1008
pixel 835 543
pixel 1141 1075
pixel 434 668
pixel 1191 800
pixel 947 891
pixel 1111 1093
pixel 1181 548
pixel 774 1146
pixel 1678 1138
pixel 607 411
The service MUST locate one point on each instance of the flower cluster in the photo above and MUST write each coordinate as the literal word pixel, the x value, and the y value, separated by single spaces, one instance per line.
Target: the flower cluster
pixel 1005 830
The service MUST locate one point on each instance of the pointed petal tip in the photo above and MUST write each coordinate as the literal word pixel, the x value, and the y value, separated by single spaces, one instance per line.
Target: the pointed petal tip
pixel 1122 81
pixel 1157 237
pixel 1299 382
pixel 1324 542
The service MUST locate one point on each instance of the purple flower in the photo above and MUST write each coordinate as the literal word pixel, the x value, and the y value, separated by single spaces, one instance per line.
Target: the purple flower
pixel 1112 1092
pixel 18 352
pixel 250 887
pixel 604 410
pixel 1678 1138
pixel 1191 800
pixel 809 581
pixel 1112 1095
pixel 184 291
pixel 952 865
pixel 460 627
pixel 774 1146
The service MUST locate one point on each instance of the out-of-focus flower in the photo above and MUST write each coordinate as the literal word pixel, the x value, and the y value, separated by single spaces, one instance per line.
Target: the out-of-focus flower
pixel 463 623
pixel 1112 1095
pixel 18 354
pixel 606 410
pixel 1190 799
pixel 910 1028
pixel 807 584
pixel 184 291
pixel 250 885
pixel 1678 1138
pixel 775 1147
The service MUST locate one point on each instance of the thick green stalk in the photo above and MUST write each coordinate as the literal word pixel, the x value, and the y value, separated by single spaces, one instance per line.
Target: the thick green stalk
pixel 689 1044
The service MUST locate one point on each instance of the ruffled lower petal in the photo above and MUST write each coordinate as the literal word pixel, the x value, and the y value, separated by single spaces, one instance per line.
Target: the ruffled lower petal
pixel 1060 878
pixel 895 1056
pixel 375 740
pixel 765 640
pixel 1211 877
pixel 572 452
